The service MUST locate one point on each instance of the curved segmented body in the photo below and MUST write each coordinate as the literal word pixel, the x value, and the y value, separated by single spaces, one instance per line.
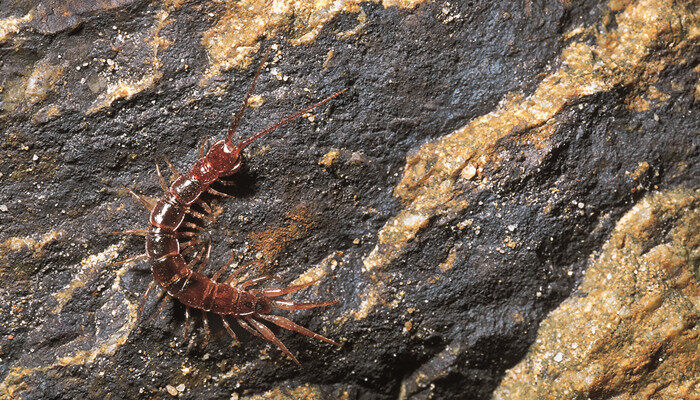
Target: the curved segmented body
pixel 176 276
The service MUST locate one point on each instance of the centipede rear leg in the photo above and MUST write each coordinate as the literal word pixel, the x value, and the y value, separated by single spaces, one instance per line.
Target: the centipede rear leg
pixel 267 334
pixel 289 325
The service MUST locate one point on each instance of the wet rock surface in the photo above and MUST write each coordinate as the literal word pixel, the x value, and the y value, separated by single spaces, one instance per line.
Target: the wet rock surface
pixel 466 185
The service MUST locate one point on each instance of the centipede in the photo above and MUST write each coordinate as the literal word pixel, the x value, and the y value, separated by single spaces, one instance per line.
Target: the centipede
pixel 170 237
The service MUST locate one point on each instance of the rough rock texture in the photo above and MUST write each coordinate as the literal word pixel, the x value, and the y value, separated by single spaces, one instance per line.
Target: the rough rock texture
pixel 451 199
pixel 632 330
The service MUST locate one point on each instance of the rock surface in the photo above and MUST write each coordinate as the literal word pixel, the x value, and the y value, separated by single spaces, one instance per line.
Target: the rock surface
pixel 632 330
pixel 466 185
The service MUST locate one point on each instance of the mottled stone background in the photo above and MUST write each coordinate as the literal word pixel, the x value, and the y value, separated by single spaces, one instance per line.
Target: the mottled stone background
pixel 505 201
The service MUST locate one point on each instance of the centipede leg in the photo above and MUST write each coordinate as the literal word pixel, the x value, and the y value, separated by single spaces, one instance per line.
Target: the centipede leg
pixel 218 273
pixel 200 215
pixel 193 226
pixel 140 257
pixel 289 325
pixel 268 335
pixel 204 205
pixel 226 183
pixel 217 193
pixel 137 232
pixel 203 255
pixel 163 184
pixel 274 292
pixel 195 260
pixel 161 305
pixel 292 306
pixel 188 246
pixel 202 152
pixel 254 281
pixel 172 168
pixel 150 287
pixel 238 271
pixel 146 203
pixel 247 327
pixel 207 331
pixel 230 331
pixel 187 324
pixel 207 254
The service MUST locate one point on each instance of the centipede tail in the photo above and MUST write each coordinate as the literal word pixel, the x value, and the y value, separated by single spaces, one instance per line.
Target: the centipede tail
pixel 170 238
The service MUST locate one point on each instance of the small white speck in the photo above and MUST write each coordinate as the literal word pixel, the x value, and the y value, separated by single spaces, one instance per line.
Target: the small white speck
pixel 581 205
pixel 558 357
pixel 3 208
pixel 511 227
pixel 608 276
pixel 35 157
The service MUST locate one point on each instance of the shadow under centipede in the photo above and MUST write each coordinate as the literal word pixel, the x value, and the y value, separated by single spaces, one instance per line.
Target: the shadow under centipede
pixel 241 186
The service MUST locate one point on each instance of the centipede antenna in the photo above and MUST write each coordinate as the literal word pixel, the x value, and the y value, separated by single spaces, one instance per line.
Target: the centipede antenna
pixel 288 119
pixel 239 115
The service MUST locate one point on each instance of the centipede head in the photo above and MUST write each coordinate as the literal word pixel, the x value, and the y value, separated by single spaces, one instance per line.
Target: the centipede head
pixel 225 157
